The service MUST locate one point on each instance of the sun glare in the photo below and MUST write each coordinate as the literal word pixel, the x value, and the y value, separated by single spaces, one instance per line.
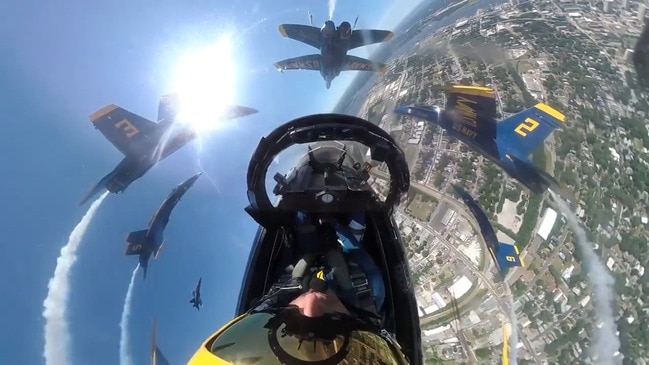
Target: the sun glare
pixel 204 81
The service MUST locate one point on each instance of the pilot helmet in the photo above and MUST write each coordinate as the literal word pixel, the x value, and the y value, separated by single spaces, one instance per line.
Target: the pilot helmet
pixel 286 336
pixel 345 30
pixel 329 29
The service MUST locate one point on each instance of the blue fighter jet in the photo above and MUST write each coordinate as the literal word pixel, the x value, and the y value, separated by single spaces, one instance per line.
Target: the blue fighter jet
pixel 196 301
pixel 149 241
pixel 470 116
pixel 504 255
pixel 333 43
pixel 144 143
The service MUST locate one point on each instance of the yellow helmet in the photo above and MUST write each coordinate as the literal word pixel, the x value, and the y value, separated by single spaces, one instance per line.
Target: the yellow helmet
pixel 285 336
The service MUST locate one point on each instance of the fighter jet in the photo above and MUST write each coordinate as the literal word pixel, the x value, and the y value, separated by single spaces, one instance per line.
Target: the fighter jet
pixel 503 254
pixel 641 57
pixel 470 116
pixel 329 184
pixel 333 43
pixel 196 296
pixel 149 241
pixel 143 142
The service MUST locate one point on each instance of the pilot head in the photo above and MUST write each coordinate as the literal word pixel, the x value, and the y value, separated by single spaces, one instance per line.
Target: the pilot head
pixel 345 30
pixel 328 29
pixel 315 328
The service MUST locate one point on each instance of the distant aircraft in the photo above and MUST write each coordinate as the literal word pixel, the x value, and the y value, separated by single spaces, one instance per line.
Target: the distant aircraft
pixel 641 57
pixel 503 254
pixel 196 296
pixel 470 116
pixel 333 43
pixel 150 241
pixel 143 142
pixel 157 357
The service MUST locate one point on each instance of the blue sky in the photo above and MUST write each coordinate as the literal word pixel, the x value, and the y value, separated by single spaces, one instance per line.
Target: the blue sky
pixel 66 59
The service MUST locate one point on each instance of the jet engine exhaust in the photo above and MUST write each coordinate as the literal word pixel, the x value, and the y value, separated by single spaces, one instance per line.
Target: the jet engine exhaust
pixel 606 343
pixel 57 333
pixel 124 355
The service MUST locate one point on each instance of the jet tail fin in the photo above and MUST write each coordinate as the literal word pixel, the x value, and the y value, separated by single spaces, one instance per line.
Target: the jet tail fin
pixel 127 131
pixel 157 358
pixel 523 132
pixel 137 241
pixel 192 301
pixel 353 63
pixel 508 256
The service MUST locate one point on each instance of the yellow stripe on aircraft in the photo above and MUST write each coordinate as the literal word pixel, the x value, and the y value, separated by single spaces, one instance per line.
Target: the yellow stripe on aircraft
pixel 550 110
pixel 102 112
pixel 388 37
pixel 473 90
pixel 203 356
pixel 519 255
pixel 282 30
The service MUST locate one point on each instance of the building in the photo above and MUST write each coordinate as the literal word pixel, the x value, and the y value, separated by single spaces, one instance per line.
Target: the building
pixel 549 218
pixel 628 55
pixel 641 11
pixel 625 5
pixel 608 6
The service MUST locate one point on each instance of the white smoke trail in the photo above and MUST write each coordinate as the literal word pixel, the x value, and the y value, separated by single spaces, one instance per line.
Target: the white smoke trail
pixel 513 336
pixel 57 336
pixel 606 343
pixel 124 356
pixel 332 8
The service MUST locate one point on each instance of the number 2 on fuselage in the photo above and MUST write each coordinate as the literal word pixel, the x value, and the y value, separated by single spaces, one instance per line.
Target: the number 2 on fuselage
pixel 528 125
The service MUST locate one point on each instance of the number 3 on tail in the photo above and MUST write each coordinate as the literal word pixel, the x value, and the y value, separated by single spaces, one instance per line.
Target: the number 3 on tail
pixel 510 258
pixel 528 125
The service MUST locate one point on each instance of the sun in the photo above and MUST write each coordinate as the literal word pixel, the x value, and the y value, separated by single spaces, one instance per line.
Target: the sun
pixel 204 82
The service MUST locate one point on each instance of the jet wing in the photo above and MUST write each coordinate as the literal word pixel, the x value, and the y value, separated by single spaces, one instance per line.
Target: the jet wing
pixel 472 110
pixel 364 37
pixel 310 62
pixel 303 33
pixel 127 131
pixel 353 63
pixel 481 99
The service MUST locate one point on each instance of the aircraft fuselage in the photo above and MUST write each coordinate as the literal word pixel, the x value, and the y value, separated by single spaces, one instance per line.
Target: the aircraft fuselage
pixel 132 168
pixel 333 49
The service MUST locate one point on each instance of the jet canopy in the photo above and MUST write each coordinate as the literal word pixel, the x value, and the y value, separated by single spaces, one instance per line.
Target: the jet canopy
pixel 332 172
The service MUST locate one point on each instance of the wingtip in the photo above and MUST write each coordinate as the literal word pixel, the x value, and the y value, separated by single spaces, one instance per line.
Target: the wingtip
pixel 278 67
pixel 102 112
pixel 404 109
pixel 282 31
pixel 388 37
